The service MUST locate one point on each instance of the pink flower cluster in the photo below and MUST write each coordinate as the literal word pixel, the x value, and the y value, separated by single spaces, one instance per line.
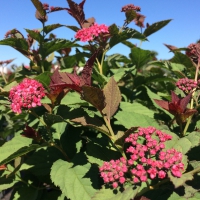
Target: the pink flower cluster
pixel 130 7
pixel 88 34
pixel 114 171
pixel 193 50
pixel 27 94
pixel 186 85
pixel 146 159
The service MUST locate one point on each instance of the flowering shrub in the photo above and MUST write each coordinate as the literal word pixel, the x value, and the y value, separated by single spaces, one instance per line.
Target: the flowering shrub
pixel 94 125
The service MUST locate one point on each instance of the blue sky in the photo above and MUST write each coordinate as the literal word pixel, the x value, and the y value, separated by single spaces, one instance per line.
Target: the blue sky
pixel 181 31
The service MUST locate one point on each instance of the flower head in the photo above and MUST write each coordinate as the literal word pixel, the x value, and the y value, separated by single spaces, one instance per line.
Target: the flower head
pixel 27 94
pixel 194 52
pixel 186 85
pixel 144 160
pixel 88 34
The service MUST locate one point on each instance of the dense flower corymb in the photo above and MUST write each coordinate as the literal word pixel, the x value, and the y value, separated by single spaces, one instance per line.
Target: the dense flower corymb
pixel 186 85
pixel 88 34
pixel 27 94
pixel 146 158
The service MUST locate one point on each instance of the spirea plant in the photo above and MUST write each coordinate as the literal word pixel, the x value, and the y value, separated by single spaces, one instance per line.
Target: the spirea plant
pixel 79 123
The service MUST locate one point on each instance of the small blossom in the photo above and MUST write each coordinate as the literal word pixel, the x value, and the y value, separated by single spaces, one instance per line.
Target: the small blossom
pixel 115 185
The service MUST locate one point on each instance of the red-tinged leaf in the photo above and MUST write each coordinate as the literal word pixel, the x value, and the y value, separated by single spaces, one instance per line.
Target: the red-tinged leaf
pixel 186 114
pixel 76 11
pixel 112 98
pixel 88 22
pixel 163 104
pixel 87 70
pixel 38 5
pixel 95 96
pixel 170 47
pixel 56 95
pixel 174 97
pixel 3 167
pixel 184 102
pixel 31 133
pixel 41 17
pixel 92 122
pixel 174 108
pixel 54 9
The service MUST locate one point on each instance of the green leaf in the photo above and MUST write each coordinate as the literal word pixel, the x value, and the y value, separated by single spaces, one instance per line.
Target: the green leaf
pixel 13 146
pixel 98 154
pixel 125 35
pixel 180 181
pixel 42 160
pixel 25 192
pixel 22 151
pixel 44 78
pixel 49 28
pixel 59 130
pixel 128 44
pixel 128 120
pixel 155 27
pixel 10 85
pixel 74 28
pixel 194 138
pixel 112 98
pixel 175 196
pixel 51 119
pixel 113 29
pixel 182 59
pixel 136 108
pixel 140 57
pixel 17 43
pixel 73 98
pixel 99 78
pixel 176 66
pixel 183 145
pixel 70 178
pixel 56 45
pixel 6 182
pixel 108 194
pixel 35 35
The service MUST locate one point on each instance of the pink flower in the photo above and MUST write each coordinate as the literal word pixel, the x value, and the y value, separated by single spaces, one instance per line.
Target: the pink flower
pixel 88 34
pixel 161 174
pixel 27 94
pixel 115 185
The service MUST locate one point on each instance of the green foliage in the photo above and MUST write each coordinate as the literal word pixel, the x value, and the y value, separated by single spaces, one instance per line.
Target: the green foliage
pixel 93 102
pixel 68 177
pixel 155 27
